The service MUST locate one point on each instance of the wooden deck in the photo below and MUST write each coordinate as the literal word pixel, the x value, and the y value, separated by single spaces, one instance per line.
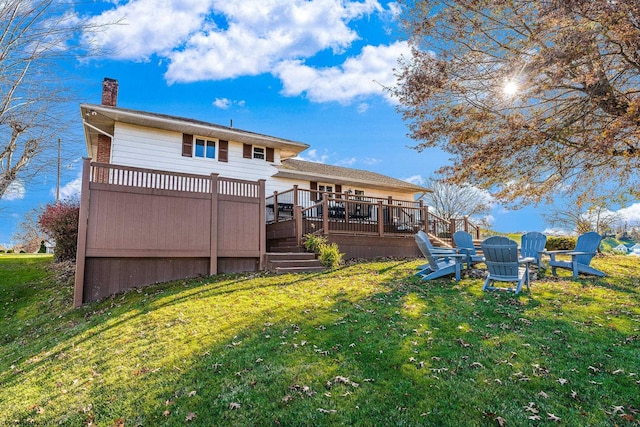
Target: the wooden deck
pixel 363 227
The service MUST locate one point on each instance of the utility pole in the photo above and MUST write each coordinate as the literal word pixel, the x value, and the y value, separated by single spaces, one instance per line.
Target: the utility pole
pixel 58 184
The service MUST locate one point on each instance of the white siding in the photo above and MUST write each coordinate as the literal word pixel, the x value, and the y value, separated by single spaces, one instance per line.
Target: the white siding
pixel 157 149
pixel 152 148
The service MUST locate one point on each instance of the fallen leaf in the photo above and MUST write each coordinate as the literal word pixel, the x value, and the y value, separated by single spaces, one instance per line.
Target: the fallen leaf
pixel 562 381
pixel 166 413
pixel 535 417
pixel 543 394
pixel 500 421
pixel 234 405
pixel 191 416
pixel 192 393
pixel 553 417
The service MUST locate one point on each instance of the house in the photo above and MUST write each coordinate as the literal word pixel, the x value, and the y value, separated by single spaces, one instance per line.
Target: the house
pixel 177 144
pixel 167 197
pixel 620 249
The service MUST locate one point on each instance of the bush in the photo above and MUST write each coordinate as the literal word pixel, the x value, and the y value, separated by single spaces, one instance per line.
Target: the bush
pixel 329 254
pixel 60 222
pixel 10 251
pixel 22 251
pixel 43 248
pixel 563 243
pixel 312 243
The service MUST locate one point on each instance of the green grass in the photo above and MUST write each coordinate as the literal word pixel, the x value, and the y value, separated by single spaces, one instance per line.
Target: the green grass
pixel 363 345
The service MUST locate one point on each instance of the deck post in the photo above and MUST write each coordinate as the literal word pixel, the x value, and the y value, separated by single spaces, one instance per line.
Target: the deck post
pixel 466 223
pixel 295 195
pixel 297 220
pixel 425 225
pixel 452 228
pixel 325 213
pixel 380 219
pixel 83 219
pixel 263 223
pixel 213 245
pixel 275 206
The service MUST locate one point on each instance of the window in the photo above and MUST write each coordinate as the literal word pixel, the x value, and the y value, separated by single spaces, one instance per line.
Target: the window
pixel 359 192
pixel 258 152
pixel 327 188
pixel 205 148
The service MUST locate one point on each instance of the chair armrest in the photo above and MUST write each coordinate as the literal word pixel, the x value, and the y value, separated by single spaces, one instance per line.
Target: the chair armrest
pixel 556 252
pixel 526 260
pixel 572 253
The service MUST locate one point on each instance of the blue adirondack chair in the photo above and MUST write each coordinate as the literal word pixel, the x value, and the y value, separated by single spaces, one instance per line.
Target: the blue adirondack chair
pixel 504 264
pixel 438 265
pixel 586 248
pixel 434 250
pixel 464 245
pixel 532 246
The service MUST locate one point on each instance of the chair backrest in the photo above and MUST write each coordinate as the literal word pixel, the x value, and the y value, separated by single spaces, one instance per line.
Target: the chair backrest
pixel 464 240
pixel 501 257
pixel 587 242
pixel 425 237
pixel 532 244
pixel 422 245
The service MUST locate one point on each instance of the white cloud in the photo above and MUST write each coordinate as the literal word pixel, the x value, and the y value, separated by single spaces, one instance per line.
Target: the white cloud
pixel 222 103
pixel 415 179
pixel 225 104
pixel 313 156
pixel 71 190
pixel 347 162
pixel 15 191
pixel 363 107
pixel 221 39
pixel 366 74
pixel 631 214
pixel 370 161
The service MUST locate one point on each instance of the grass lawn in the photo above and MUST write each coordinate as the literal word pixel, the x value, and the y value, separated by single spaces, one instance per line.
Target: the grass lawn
pixel 367 344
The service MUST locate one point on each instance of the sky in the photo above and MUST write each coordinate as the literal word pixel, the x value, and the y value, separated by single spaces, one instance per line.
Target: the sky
pixel 313 71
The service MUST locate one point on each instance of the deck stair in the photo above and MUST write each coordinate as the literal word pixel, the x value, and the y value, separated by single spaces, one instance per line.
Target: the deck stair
pixel 293 262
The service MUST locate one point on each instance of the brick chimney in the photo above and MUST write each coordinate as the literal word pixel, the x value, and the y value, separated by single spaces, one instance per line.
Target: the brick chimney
pixel 109 98
pixel 109 92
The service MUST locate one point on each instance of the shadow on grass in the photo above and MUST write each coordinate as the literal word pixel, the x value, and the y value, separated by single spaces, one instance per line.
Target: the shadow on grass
pixel 400 351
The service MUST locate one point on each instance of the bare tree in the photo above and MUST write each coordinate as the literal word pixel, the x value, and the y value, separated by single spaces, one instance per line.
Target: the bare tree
pixel 36 37
pixel 28 234
pixel 455 201
pixel 532 98
pixel 596 217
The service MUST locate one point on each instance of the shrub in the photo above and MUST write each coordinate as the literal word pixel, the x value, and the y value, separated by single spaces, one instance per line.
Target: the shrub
pixel 43 248
pixel 60 222
pixel 10 251
pixel 313 242
pixel 22 251
pixel 1 251
pixel 329 254
pixel 560 243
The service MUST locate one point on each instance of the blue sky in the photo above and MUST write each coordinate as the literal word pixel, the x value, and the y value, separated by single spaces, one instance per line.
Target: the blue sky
pixel 311 71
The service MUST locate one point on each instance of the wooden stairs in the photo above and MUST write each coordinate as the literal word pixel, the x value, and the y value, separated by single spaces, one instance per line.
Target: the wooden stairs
pixel 286 257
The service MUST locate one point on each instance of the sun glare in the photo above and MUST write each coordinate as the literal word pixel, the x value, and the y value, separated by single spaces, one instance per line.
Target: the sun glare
pixel 510 88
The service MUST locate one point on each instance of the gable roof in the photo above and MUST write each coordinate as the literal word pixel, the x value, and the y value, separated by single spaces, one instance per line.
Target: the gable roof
pixel 102 118
pixel 300 169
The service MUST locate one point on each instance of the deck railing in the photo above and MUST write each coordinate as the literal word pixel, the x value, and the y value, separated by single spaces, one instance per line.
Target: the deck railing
pixel 312 211
pixel 105 173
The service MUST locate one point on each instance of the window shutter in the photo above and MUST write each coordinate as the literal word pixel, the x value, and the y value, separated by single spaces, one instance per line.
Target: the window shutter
pixel 269 154
pixel 313 186
pixel 246 151
pixel 187 145
pixel 223 150
pixel 338 188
